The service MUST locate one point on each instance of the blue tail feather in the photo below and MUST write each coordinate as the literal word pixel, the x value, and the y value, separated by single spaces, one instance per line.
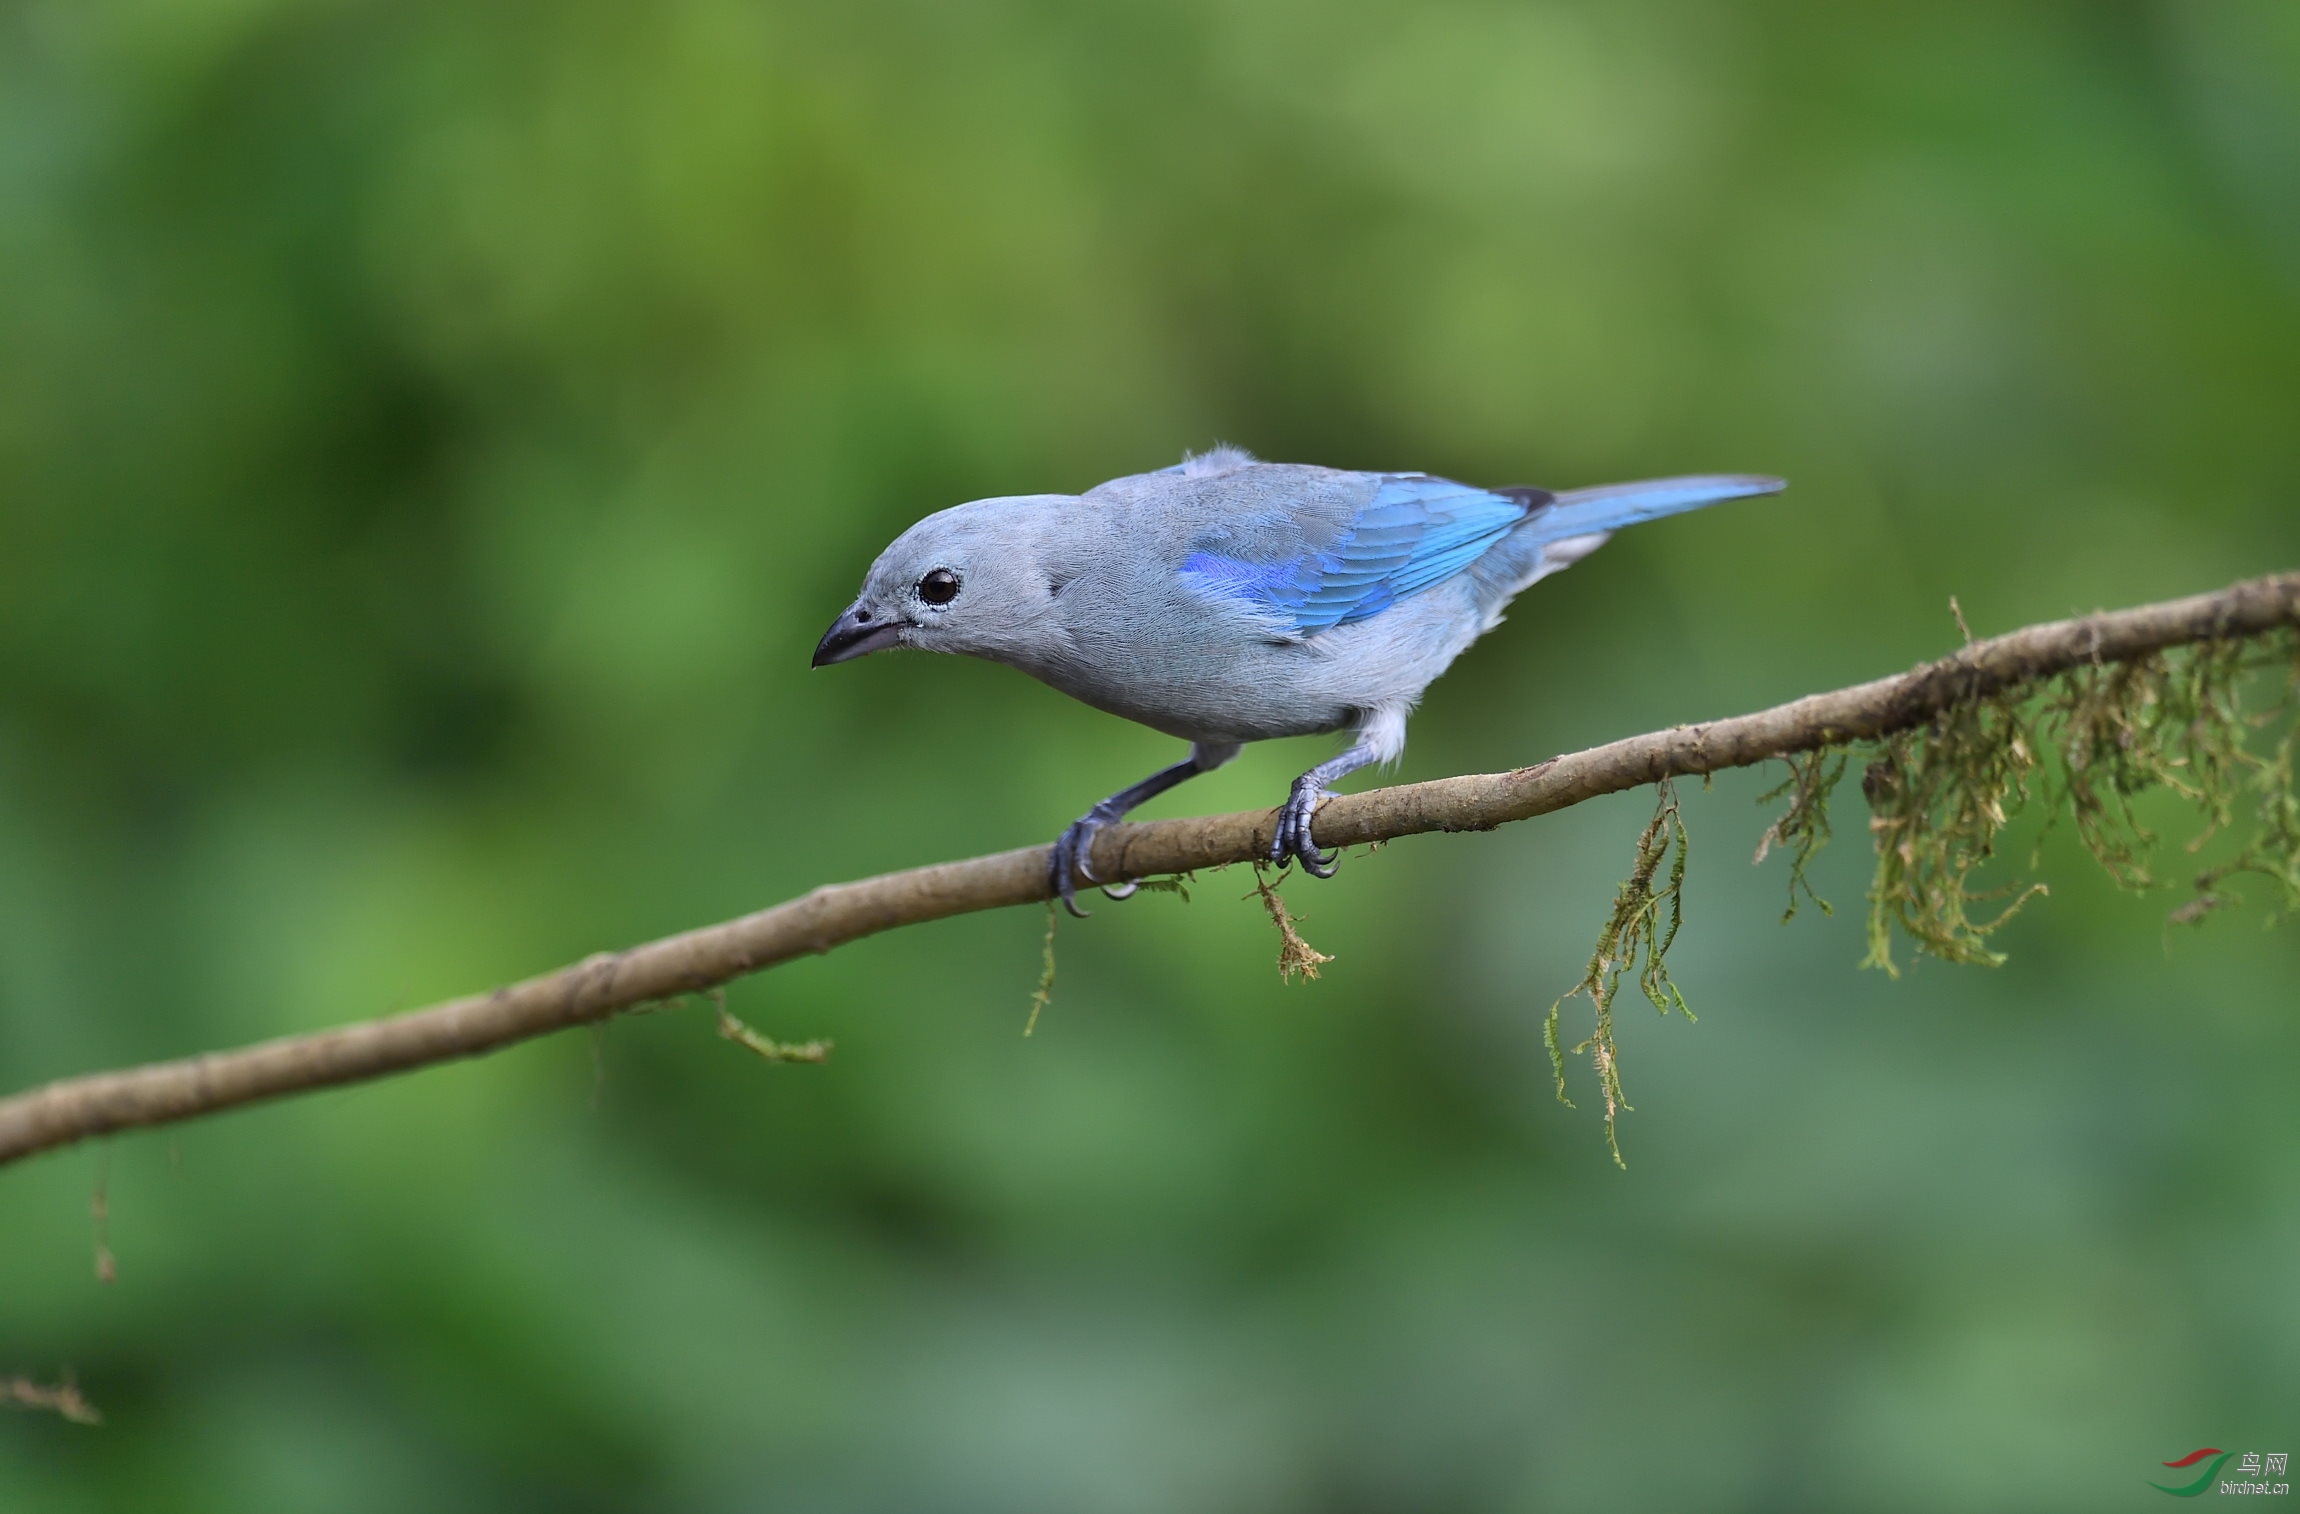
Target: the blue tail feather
pixel 1609 507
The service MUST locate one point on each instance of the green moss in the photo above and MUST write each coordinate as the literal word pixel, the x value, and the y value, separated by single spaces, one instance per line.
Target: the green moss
pixel 1043 994
pixel 1296 957
pixel 2228 777
pixel 1938 796
pixel 1637 934
pixel 1803 828
pixel 732 1029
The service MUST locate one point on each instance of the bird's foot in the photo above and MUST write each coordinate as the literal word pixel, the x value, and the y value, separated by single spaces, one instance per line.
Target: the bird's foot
pixel 1292 837
pixel 1072 857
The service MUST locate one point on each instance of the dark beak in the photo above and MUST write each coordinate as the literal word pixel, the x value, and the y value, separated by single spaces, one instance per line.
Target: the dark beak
pixel 855 634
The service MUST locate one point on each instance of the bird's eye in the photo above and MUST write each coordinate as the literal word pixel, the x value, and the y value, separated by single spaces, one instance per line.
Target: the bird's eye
pixel 939 587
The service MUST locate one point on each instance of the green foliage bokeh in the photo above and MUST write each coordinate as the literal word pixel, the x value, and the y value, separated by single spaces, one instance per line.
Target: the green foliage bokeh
pixel 432 437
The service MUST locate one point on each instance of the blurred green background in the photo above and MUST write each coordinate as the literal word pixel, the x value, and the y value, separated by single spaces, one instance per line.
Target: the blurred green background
pixel 432 437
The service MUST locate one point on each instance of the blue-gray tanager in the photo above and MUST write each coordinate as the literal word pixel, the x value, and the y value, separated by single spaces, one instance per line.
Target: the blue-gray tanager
pixel 1226 600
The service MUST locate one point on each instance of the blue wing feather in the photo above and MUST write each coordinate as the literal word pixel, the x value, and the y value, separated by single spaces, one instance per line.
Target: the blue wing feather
pixel 1415 533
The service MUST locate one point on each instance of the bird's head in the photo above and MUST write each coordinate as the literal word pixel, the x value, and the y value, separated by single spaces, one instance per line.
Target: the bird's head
pixel 972 579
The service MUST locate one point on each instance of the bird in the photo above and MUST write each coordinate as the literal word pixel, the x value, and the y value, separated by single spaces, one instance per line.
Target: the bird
pixel 1225 600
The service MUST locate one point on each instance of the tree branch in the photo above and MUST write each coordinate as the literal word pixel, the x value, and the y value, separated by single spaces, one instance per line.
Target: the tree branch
pixel 73 1109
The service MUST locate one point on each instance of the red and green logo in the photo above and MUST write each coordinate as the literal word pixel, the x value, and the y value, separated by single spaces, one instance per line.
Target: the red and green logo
pixel 2191 1490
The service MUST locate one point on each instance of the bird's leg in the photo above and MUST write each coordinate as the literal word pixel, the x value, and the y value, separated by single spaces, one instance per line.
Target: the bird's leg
pixel 1074 849
pixel 1292 837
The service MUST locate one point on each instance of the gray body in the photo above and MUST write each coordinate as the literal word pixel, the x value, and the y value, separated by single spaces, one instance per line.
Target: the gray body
pixel 1117 628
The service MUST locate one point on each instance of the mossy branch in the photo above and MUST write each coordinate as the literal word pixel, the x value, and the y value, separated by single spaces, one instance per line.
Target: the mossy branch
pixel 2092 740
pixel 2095 739
pixel 612 983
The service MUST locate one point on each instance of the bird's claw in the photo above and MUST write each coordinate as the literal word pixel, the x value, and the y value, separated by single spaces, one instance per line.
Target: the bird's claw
pixel 1291 840
pixel 1067 861
pixel 1072 859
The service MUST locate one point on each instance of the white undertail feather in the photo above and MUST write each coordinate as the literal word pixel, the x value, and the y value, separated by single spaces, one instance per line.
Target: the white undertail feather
pixel 1382 731
pixel 1572 549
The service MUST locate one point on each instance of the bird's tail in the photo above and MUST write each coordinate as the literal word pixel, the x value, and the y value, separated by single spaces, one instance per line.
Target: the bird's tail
pixel 1609 507
pixel 1568 527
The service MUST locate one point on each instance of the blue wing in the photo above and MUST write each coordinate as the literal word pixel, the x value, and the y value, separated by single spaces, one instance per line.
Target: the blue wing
pixel 1416 532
